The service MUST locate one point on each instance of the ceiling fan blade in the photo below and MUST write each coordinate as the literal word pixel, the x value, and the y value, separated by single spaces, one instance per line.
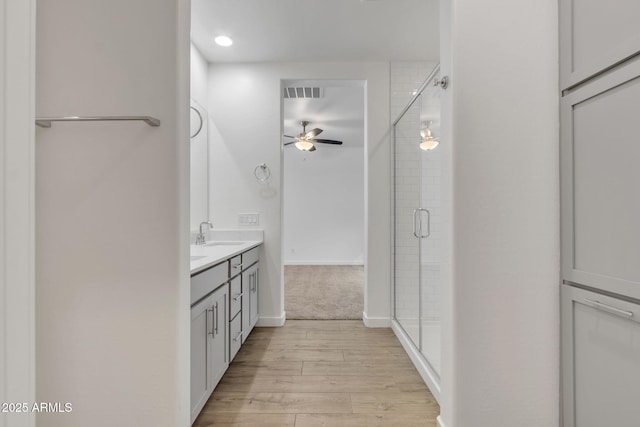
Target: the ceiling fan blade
pixel 313 133
pixel 289 136
pixel 327 141
pixel 289 143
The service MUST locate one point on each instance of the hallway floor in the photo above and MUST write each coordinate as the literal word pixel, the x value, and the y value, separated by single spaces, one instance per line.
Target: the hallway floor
pixel 321 373
pixel 322 292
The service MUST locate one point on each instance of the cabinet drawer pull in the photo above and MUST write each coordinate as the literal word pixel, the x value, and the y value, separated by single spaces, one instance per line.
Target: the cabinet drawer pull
pixel 237 266
pixel 237 297
pixel 210 331
pixel 215 327
pixel 608 308
pixel 238 337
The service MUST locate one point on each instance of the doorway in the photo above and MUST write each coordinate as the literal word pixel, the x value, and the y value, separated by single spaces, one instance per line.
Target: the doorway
pixel 323 198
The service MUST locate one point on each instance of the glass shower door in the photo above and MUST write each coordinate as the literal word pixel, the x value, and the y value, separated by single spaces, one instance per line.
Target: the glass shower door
pixel 430 250
pixel 417 224
pixel 407 200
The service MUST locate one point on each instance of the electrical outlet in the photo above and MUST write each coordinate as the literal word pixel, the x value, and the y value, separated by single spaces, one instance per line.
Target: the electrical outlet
pixel 249 219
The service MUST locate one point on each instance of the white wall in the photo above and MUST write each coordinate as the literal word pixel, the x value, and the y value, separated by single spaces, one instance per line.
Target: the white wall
pixel 199 71
pixel 245 108
pixel 502 313
pixel 17 240
pixel 324 189
pixel 112 213
pixel 324 206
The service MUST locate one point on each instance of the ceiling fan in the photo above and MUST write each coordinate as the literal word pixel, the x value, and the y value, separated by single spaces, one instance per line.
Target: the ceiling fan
pixel 305 141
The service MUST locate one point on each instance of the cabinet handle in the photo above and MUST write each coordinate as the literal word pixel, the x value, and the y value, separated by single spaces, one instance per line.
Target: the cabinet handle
pixel 237 297
pixel 609 309
pixel 238 337
pixel 209 331
pixel 237 266
pixel 215 327
pixel 415 231
pixel 255 282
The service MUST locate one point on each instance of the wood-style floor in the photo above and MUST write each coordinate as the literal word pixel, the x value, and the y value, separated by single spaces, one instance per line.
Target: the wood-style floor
pixel 321 373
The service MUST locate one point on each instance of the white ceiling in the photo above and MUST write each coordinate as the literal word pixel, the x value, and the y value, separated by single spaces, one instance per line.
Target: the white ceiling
pixel 317 30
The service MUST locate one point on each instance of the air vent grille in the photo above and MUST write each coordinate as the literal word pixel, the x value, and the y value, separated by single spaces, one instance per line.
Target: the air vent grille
pixel 301 92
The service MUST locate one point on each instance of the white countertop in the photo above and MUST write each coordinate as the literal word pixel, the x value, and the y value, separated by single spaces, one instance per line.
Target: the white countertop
pixel 225 244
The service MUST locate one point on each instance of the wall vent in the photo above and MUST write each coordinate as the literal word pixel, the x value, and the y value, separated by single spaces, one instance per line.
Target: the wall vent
pixel 301 92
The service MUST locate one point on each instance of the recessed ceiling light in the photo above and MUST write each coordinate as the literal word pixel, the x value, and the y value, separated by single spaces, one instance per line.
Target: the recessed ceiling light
pixel 223 41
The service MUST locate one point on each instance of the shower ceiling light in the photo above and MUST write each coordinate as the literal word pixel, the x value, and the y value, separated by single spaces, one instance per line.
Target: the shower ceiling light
pixel 224 41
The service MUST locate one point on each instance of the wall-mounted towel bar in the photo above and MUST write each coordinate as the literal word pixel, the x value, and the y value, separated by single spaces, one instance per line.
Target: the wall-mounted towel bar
pixel 45 122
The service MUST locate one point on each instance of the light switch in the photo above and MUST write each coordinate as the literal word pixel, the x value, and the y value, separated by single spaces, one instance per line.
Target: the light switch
pixel 249 219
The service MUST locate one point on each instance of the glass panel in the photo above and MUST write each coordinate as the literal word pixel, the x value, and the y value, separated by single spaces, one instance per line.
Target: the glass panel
pixel 407 200
pixel 430 248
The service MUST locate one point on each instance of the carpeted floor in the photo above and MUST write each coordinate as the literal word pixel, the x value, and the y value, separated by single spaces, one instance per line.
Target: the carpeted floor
pixel 324 291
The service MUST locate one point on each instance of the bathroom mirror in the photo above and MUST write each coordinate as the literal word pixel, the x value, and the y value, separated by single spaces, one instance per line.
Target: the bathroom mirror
pixel 199 147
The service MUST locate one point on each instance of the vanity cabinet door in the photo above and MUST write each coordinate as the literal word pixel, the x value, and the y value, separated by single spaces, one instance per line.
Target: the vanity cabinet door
pixel 209 346
pixel 246 303
pixel 219 334
pixel 253 296
pixel 600 359
pixel 201 386
pixel 249 300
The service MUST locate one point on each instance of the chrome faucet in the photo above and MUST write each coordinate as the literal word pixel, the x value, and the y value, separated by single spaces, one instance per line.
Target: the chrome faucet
pixel 200 239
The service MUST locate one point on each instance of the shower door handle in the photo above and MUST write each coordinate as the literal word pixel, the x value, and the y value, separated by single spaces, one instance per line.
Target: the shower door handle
pixel 415 218
pixel 417 215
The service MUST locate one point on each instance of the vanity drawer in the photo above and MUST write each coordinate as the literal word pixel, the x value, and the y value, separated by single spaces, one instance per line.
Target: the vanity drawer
pixel 250 257
pixel 207 281
pixel 235 297
pixel 235 337
pixel 235 265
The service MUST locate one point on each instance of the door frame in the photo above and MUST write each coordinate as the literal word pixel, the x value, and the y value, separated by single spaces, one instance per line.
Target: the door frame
pixel 363 82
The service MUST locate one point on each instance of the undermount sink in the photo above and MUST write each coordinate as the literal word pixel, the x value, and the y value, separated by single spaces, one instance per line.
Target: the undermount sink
pixel 197 257
pixel 223 243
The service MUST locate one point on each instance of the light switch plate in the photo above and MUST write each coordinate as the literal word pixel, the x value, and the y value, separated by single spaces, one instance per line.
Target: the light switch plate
pixel 249 219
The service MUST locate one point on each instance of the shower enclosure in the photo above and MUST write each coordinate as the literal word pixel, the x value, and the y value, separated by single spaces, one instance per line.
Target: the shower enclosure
pixel 417 226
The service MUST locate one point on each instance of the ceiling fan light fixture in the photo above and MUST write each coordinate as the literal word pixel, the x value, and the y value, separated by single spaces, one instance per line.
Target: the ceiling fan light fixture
pixel 304 145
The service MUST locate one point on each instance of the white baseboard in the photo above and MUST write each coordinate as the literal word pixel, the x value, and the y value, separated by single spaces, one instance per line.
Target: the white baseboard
pixel 272 322
pixel 375 322
pixel 355 262
pixel 440 422
pixel 426 372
